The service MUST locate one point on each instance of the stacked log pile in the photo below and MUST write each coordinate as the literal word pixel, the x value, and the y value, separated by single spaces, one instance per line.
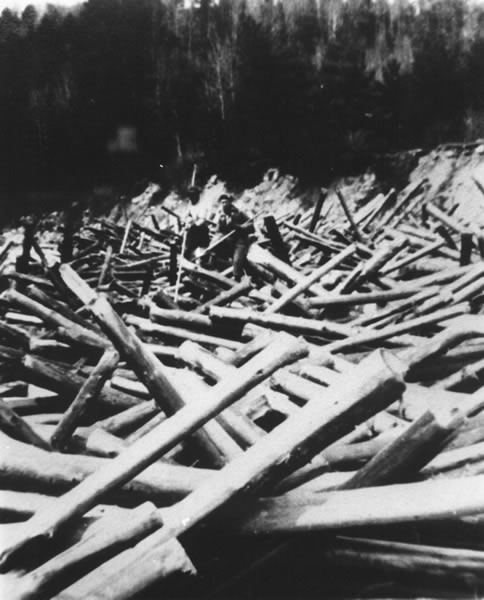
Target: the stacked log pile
pixel 314 429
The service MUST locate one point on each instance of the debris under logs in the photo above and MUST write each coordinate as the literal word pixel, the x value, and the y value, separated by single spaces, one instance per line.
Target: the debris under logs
pixel 314 428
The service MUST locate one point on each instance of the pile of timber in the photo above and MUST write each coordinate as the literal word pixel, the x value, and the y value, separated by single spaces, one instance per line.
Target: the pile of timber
pixel 316 429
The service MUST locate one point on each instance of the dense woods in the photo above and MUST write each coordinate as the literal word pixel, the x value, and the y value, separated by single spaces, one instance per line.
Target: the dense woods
pixel 107 92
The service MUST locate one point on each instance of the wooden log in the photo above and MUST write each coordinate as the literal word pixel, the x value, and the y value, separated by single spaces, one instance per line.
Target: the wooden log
pixel 14 335
pixel 28 467
pixel 388 315
pixel 248 350
pixel 34 404
pixel 5 251
pixel 344 455
pixel 466 246
pixel 186 318
pixel 319 374
pixel 241 428
pixel 13 388
pixel 67 563
pixel 106 267
pixel 101 443
pixel 137 457
pixel 168 559
pixel 412 560
pixel 144 363
pixel 417 399
pixel 469 373
pixel 130 419
pixel 52 377
pixel 299 305
pixel 86 395
pixel 298 387
pixel 214 443
pixel 239 289
pixel 376 210
pixel 18 428
pixel 371 506
pixel 322 195
pixel 411 191
pixel 453 292
pixel 17 506
pixel 349 216
pixel 404 456
pixel 449 222
pixel 211 276
pixel 148 327
pixel 36 293
pixel 148 426
pixel 67 328
pixel 406 260
pixel 295 325
pixel 23 319
pixel 275 238
pixel 306 282
pixel 162 299
pixel 394 330
pixel 262 257
pixel 147 280
pixel 285 448
pixel 130 386
pixel 453 460
pixel 466 328
pixel 356 299
pixel 218 444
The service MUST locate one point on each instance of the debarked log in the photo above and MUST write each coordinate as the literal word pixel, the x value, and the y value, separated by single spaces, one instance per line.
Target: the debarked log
pixel 153 445
pixel 374 384
pixel 295 325
pixel 27 467
pixel 370 506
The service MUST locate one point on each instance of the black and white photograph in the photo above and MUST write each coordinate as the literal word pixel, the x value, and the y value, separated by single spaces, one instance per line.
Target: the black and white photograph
pixel 242 299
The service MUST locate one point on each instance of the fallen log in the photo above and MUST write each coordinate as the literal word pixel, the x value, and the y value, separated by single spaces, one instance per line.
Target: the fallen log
pixel 67 328
pixel 53 377
pixel 394 330
pixel 237 290
pixel 285 448
pixel 294 325
pixel 133 460
pixel 410 451
pixel 148 327
pixel 87 394
pixel 309 280
pixel 28 467
pixel 18 428
pixel 370 506
pixel 150 371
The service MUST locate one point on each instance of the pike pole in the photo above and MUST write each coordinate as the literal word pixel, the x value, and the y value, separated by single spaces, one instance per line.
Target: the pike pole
pixel 180 264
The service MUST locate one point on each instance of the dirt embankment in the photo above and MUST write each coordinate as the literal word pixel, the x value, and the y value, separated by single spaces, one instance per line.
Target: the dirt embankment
pixel 453 175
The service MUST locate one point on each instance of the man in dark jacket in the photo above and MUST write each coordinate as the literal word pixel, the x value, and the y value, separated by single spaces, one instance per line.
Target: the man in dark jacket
pixel 198 234
pixel 232 220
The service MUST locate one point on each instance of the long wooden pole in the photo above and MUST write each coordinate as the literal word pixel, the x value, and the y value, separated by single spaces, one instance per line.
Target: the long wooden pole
pixel 373 386
pixel 305 283
pixel 45 524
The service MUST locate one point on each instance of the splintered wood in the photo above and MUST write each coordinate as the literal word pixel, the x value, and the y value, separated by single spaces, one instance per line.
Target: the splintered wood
pixel 167 429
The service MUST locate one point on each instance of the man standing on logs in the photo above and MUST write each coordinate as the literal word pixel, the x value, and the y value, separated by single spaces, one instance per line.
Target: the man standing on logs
pixel 234 221
pixel 197 230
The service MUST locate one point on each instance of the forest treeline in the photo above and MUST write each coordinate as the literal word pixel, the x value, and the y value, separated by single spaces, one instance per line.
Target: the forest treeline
pixel 112 89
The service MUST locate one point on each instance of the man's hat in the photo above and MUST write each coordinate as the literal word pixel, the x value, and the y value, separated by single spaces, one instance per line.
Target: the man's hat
pixel 226 197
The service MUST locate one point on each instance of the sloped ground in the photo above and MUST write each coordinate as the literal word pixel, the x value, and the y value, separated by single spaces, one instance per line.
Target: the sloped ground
pixel 455 175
